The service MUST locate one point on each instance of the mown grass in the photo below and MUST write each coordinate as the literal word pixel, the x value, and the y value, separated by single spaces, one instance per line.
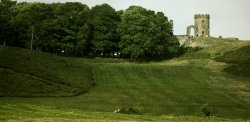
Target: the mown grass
pixel 173 90
pixel 159 89
pixel 27 112
pixel 27 73
pixel 153 89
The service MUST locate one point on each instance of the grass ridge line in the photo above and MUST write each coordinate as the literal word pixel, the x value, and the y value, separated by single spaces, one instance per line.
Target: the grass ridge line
pixel 35 77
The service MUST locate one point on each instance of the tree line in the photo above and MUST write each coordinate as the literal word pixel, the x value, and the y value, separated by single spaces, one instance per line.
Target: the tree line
pixel 74 29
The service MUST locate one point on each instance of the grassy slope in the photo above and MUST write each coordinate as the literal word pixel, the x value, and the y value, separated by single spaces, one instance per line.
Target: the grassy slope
pixel 175 87
pixel 238 56
pixel 239 60
pixel 213 47
pixel 26 73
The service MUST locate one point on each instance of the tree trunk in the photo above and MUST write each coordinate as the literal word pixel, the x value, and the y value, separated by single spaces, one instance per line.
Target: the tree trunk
pixel 32 37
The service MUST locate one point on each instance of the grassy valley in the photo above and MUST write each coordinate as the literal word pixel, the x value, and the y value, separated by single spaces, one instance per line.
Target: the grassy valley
pixel 38 86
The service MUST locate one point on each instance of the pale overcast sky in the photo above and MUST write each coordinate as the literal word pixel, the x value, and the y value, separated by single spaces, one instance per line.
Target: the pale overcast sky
pixel 228 18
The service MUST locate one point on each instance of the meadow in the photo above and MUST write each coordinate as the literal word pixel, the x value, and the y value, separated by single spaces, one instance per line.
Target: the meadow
pixel 39 86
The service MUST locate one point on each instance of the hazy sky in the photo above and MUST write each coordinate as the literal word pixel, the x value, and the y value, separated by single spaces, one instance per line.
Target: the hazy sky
pixel 228 18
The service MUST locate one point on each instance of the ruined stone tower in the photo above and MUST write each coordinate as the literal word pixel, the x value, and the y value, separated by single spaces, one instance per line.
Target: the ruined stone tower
pixel 201 26
pixel 201 22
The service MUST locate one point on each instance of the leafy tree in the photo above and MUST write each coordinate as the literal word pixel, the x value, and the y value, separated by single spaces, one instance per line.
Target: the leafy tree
pixel 103 23
pixel 6 14
pixel 166 43
pixel 28 22
pixel 134 30
pixel 67 31
pixel 75 30
pixel 145 34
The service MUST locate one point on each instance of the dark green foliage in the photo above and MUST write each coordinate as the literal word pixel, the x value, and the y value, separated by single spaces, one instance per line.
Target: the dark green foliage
pixel 145 33
pixel 28 23
pixel 67 31
pixel 206 110
pixel 192 52
pixel 192 49
pixel 103 22
pixel 6 16
pixel 72 29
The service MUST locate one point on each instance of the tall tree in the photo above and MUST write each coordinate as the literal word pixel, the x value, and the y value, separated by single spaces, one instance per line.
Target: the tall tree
pixel 74 29
pixel 28 22
pixel 6 14
pixel 103 23
pixel 67 30
pixel 145 34
pixel 166 44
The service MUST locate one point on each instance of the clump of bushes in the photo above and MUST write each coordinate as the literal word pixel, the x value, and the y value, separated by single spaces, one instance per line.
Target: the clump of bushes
pixel 193 49
pixel 127 110
pixel 206 110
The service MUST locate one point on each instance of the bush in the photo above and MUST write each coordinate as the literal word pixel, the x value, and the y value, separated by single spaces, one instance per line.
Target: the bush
pixel 193 49
pixel 206 110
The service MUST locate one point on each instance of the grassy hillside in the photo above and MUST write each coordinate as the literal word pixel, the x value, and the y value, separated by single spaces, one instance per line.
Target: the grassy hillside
pixel 152 89
pixel 26 73
pixel 163 89
pixel 212 47
pixel 238 56
pixel 239 61
pixel 171 90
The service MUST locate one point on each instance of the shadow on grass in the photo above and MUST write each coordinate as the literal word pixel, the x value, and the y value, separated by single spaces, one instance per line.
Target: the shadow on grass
pixel 239 60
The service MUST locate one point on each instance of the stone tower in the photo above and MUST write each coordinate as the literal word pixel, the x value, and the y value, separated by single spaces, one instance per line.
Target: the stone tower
pixel 201 25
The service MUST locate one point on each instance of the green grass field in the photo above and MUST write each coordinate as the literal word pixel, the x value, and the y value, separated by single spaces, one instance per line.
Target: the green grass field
pixel 30 74
pixel 26 112
pixel 43 87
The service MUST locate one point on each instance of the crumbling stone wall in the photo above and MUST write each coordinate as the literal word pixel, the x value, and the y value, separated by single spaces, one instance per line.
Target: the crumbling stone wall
pixel 183 39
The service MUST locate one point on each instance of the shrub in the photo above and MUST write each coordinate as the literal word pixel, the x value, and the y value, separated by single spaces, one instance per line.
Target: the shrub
pixel 206 110
pixel 193 49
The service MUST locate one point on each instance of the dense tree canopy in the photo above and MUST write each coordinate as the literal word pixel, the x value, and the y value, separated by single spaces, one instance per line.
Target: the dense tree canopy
pixel 103 22
pixel 6 15
pixel 74 29
pixel 146 34
pixel 66 30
